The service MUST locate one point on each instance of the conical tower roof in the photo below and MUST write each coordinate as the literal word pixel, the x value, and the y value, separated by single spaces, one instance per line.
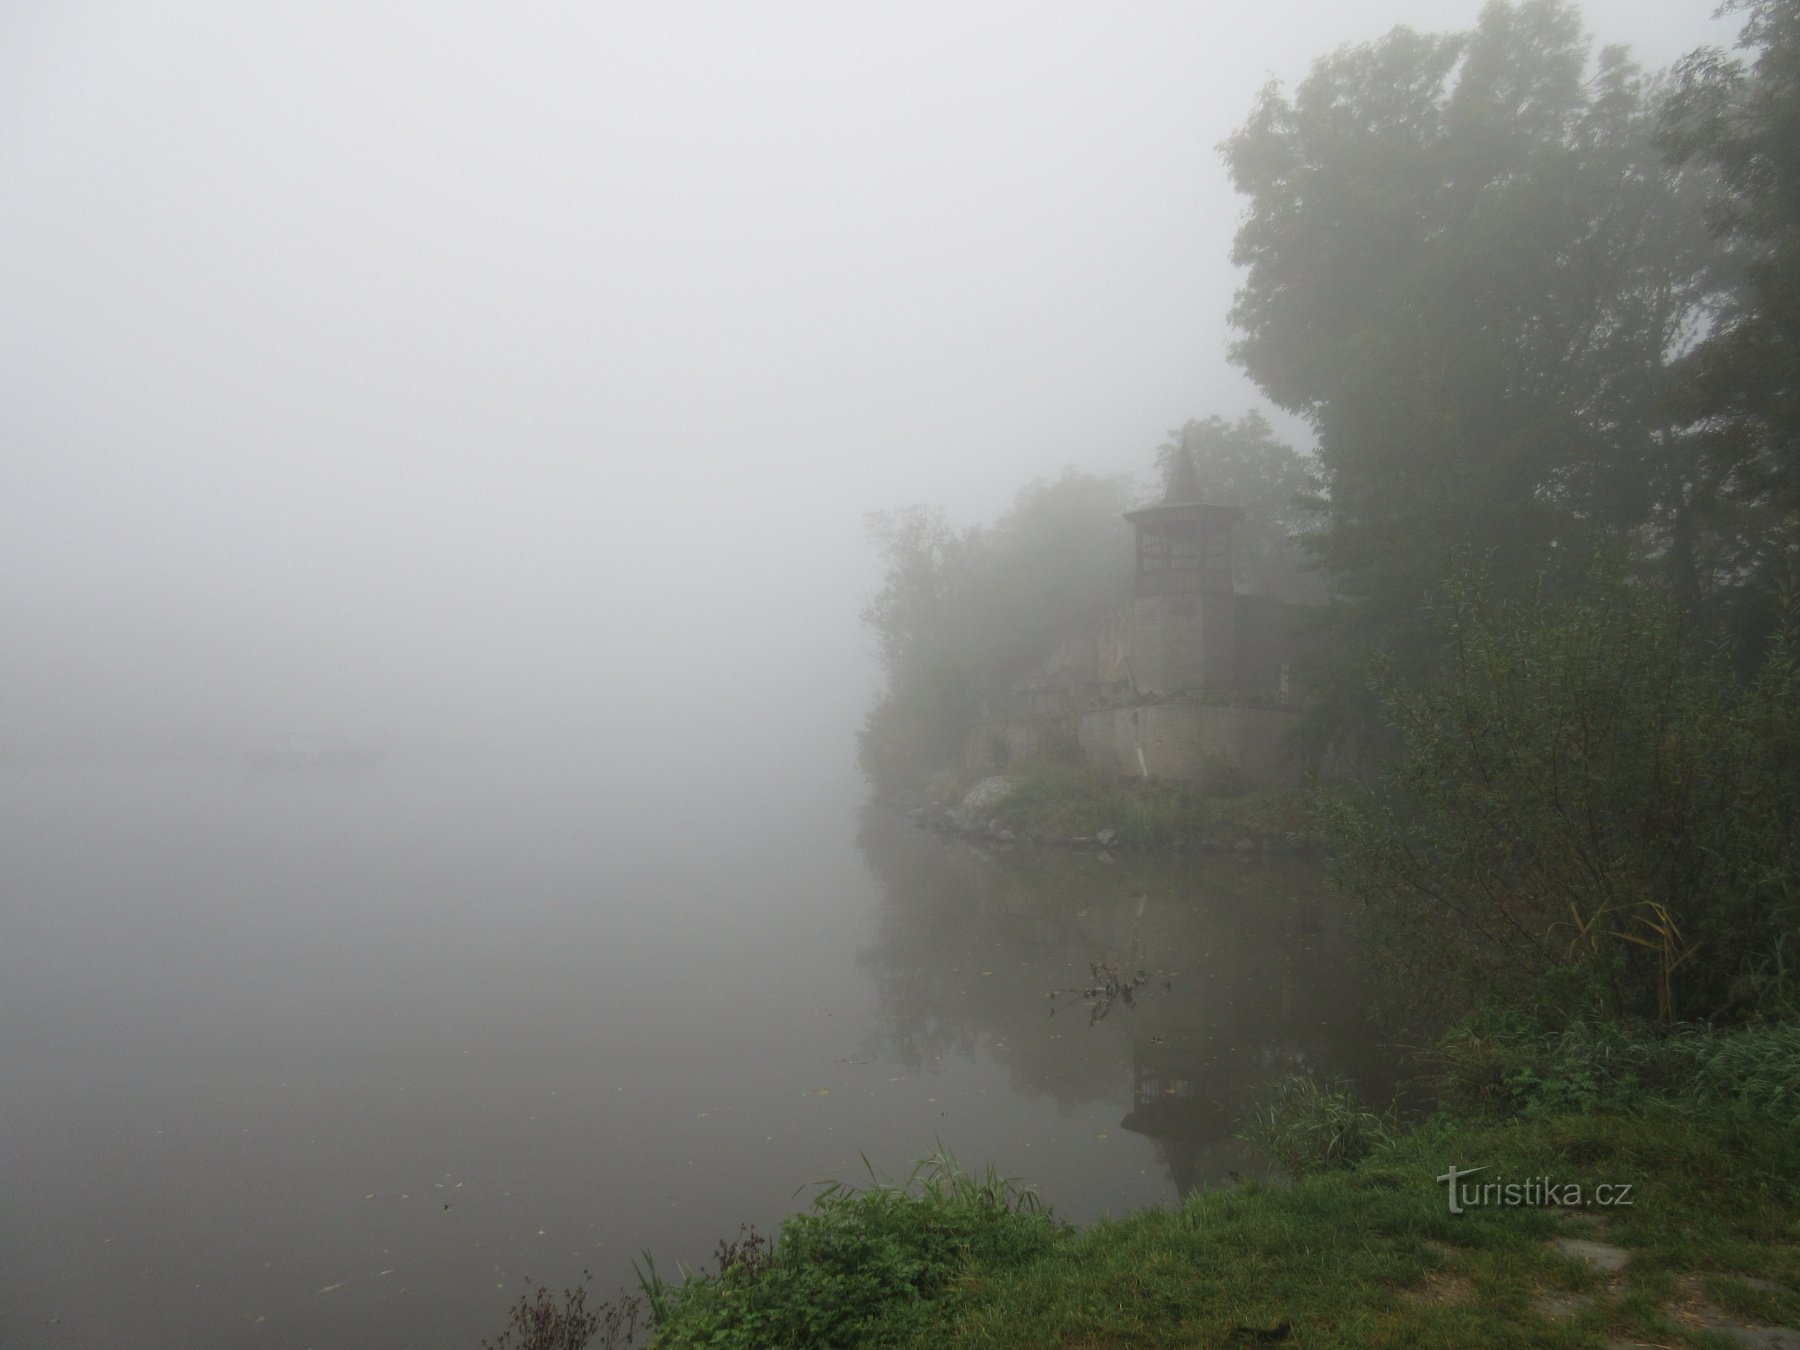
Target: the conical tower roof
pixel 1184 478
pixel 1182 499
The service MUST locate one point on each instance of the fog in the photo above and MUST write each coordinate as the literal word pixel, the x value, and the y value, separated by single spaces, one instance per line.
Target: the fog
pixel 441 372
pixel 441 380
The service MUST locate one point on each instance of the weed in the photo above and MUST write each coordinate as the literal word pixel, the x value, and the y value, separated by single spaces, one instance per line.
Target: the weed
pixel 1108 986
pixel 542 1323
pixel 1305 1127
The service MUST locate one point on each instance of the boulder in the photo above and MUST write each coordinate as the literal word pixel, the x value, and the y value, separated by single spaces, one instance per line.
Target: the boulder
pixel 988 793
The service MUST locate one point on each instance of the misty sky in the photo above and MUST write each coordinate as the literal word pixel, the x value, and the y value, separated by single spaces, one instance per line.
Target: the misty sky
pixel 438 369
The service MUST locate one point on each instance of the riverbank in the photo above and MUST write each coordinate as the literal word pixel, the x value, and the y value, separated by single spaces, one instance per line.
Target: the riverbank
pixel 1670 1218
pixel 1046 803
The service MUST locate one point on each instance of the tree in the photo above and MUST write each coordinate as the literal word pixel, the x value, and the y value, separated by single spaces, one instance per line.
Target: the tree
pixel 1470 269
pixel 1741 396
pixel 917 724
pixel 963 613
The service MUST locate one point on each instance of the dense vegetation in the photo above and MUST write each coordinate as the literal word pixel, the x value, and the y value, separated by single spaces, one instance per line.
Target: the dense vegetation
pixel 966 611
pixel 1590 814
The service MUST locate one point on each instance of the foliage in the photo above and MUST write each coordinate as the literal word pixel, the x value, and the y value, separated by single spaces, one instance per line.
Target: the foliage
pixel 964 612
pixel 1741 396
pixel 1306 1127
pixel 861 1267
pixel 918 623
pixel 1499 1062
pixel 1469 268
pixel 1588 813
pixel 543 1323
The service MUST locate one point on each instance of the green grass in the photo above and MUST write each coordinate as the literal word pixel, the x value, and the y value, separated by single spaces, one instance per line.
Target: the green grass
pixel 1364 1256
pixel 1496 1064
pixel 861 1267
pixel 1360 1250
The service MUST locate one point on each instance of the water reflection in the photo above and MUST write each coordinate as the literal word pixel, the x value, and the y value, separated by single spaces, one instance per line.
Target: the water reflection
pixel 1248 968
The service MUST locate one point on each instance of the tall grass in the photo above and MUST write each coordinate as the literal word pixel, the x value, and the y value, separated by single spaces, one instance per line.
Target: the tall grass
pixel 1306 1127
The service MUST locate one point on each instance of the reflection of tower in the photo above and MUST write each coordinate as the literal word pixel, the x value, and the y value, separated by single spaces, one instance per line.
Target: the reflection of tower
pixel 1244 1008
pixel 1168 1107
pixel 1182 608
pixel 1183 1105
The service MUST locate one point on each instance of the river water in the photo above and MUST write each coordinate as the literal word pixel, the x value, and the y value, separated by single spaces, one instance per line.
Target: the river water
pixel 342 1059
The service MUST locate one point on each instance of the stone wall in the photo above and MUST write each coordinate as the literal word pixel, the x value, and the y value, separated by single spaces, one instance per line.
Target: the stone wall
pixel 1213 745
pixel 996 742
pixel 1113 655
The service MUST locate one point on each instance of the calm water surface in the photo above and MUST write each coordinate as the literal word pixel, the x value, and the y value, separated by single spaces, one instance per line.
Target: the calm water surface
pixel 295 1060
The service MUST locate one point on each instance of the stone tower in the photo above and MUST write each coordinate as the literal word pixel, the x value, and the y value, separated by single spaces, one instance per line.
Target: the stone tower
pixel 1182 608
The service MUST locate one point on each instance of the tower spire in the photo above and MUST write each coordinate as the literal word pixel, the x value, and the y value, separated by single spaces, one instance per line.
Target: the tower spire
pixel 1184 478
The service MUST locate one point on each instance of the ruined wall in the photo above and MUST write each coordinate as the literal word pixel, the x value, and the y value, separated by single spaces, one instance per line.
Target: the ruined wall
pixel 1183 641
pixel 1267 638
pixel 1113 655
pixel 1212 745
pixel 997 742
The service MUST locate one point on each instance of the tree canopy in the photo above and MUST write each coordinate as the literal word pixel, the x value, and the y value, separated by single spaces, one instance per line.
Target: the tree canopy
pixel 1741 397
pixel 1470 269
pixel 1539 308
pixel 963 612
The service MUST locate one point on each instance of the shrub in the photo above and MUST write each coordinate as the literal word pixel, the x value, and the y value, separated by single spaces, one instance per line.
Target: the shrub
pixel 862 1266
pixel 1590 809
pixel 1499 1063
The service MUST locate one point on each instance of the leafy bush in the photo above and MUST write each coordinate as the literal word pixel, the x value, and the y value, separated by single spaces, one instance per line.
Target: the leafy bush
pixel 861 1267
pixel 1499 1063
pixel 1590 810
pixel 1306 1127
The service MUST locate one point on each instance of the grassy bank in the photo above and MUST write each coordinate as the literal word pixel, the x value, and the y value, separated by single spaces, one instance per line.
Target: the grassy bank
pixel 1692 1131
pixel 1372 1255
pixel 1055 802
pixel 1361 1249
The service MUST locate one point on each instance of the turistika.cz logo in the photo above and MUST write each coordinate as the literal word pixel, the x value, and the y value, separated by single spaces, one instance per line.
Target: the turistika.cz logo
pixel 1532 1193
